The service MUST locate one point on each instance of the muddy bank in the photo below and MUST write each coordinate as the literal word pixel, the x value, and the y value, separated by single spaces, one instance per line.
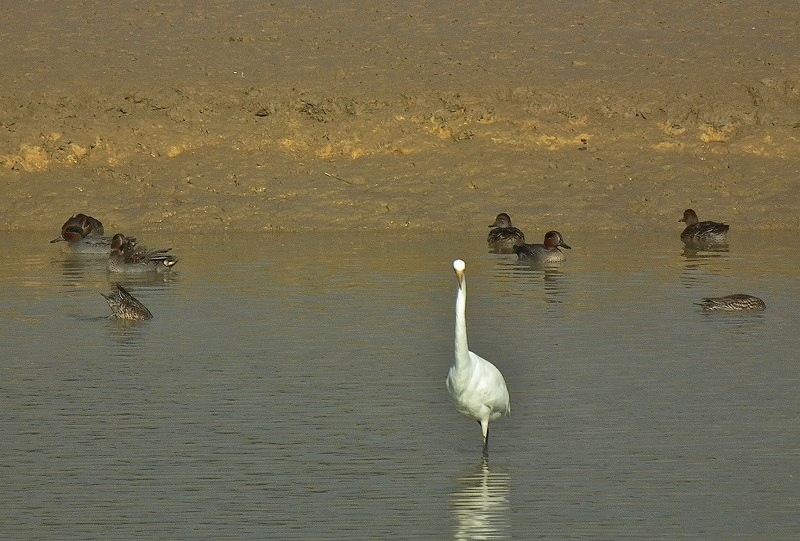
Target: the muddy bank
pixel 342 116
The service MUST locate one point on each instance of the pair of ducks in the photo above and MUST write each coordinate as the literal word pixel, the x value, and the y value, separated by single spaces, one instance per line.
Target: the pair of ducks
pixel 709 235
pixel 505 238
pixel 84 234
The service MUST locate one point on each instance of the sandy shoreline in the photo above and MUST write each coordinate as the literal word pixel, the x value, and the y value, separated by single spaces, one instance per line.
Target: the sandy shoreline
pixel 264 118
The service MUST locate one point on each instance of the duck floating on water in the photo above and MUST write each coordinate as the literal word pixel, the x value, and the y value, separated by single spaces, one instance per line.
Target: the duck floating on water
pixel 126 306
pixel 126 256
pixel 504 237
pixel 739 302
pixel 699 233
pixel 83 234
pixel 548 252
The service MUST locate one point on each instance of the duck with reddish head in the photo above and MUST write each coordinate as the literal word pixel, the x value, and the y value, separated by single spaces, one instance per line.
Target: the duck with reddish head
pixel 547 252
pixel 83 234
pixel 128 257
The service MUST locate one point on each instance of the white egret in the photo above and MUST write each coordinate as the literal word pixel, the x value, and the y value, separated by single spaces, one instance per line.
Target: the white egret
pixel 476 386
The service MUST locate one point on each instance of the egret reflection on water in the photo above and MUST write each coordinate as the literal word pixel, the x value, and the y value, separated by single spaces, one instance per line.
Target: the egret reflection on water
pixel 481 504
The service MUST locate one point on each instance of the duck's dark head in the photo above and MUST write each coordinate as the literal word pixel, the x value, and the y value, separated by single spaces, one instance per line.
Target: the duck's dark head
pixel 689 217
pixel 553 240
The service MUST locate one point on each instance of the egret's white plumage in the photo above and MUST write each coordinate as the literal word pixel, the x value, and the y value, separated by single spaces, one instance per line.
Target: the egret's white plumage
pixel 476 386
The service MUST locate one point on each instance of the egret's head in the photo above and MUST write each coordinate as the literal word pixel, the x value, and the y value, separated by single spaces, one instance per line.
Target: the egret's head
pixel 459 266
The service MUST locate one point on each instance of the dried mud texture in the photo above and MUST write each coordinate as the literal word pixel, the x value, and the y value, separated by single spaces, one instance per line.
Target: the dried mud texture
pixel 356 116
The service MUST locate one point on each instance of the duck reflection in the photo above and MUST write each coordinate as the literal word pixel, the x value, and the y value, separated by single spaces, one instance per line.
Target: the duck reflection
pixel 693 252
pixel 480 505
pixel 739 323
pixel 76 267
pixel 552 278
pixel 699 263
pixel 144 279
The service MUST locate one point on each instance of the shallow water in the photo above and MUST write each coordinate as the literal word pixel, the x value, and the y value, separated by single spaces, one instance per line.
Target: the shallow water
pixel 293 388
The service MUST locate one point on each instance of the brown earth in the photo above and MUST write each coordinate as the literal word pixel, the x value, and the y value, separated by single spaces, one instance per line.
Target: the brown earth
pixel 352 115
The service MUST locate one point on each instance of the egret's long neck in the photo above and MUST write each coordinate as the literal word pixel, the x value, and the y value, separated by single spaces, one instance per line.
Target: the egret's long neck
pixel 461 348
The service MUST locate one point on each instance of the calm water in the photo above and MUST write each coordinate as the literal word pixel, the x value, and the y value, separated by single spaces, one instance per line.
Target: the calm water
pixel 293 388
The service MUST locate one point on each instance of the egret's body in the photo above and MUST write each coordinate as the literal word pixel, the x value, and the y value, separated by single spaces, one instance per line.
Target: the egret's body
pixel 476 386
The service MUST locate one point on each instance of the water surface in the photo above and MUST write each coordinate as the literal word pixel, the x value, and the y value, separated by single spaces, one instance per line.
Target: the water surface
pixel 292 387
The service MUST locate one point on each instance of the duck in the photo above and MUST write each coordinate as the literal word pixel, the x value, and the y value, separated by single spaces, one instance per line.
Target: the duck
pixel 126 306
pixel 504 236
pixel 476 386
pixel 125 256
pixel 90 225
pixel 547 252
pixel 738 302
pixel 702 233
pixel 83 234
